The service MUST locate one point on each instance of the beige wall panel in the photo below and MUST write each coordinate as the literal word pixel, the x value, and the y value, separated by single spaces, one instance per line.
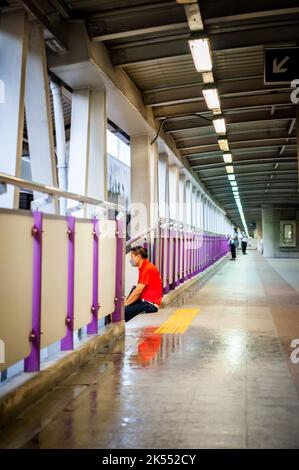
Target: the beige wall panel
pixel 16 278
pixel 54 280
pixel 83 273
pixel 107 267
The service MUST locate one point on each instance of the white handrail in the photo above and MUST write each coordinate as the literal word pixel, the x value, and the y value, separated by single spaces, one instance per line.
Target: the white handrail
pixel 56 192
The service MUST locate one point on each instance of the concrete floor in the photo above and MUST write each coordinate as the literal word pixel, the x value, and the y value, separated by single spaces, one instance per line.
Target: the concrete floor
pixel 228 382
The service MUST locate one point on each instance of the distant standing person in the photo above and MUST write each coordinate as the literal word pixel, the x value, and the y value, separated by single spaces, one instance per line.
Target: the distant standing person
pixel 244 241
pixel 233 243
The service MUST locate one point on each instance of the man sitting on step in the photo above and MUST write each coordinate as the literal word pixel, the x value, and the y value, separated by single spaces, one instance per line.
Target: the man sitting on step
pixel 146 297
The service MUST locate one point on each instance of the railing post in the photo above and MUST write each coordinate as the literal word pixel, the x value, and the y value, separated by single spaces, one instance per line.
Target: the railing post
pixel 178 280
pixel 166 290
pixel 92 327
pixel 67 343
pixel 174 258
pixel 32 362
pixel 118 313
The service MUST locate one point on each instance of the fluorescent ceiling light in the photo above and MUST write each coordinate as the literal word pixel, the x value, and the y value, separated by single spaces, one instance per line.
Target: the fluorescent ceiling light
pixel 208 77
pixel 211 96
pixel 233 183
pixel 229 168
pixel 235 190
pixel 231 177
pixel 201 54
pixel 223 143
pixel 219 124
pixel 227 157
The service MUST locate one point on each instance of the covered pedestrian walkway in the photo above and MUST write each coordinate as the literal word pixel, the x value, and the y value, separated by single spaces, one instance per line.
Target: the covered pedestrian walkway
pixel 144 144
pixel 226 381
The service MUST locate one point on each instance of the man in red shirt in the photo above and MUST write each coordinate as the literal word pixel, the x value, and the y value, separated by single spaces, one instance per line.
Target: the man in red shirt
pixel 147 295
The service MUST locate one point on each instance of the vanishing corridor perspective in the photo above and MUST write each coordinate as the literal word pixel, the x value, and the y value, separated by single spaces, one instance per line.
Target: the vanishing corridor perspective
pixel 149 224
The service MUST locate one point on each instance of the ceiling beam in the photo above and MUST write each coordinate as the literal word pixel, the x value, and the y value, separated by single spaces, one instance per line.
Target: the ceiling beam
pixel 139 32
pixel 254 161
pixel 260 116
pixel 231 103
pixel 258 144
pixel 193 92
pixel 247 174
pixel 236 138
pixel 31 6
pixel 178 46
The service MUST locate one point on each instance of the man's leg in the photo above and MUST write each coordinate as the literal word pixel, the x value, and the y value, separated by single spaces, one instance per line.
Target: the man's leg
pixel 134 309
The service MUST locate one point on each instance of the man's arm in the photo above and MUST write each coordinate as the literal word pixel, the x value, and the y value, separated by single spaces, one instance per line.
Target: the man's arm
pixel 135 294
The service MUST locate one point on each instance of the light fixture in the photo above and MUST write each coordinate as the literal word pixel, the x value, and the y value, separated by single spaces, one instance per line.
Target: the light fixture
pixel 219 124
pixel 208 77
pixel 201 54
pixel 223 143
pixel 233 183
pixel 276 166
pixel 229 168
pixel 231 177
pixel 211 96
pixel 235 190
pixel 227 157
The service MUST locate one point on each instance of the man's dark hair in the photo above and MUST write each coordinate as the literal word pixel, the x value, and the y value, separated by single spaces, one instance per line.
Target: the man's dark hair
pixel 140 250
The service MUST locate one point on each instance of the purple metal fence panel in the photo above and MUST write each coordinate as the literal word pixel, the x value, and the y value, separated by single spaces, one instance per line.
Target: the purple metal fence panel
pixel 118 313
pixel 183 256
pixel 92 327
pixel 167 287
pixel 162 253
pixel 32 362
pixel 178 280
pixel 174 259
pixel 67 343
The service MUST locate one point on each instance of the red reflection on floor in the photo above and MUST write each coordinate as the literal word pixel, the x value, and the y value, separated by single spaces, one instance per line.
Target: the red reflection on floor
pixel 150 346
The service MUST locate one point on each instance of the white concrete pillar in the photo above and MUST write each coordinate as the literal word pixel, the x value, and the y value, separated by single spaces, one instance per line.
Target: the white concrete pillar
pixel 163 186
pixel 182 199
pixel 189 202
pixel 13 55
pixel 198 209
pixel 60 141
pixel 144 184
pixel 174 192
pixel 38 115
pixel 194 207
pixel 88 154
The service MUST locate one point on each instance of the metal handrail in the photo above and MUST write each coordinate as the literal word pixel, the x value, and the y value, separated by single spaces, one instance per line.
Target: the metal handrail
pixel 56 192
pixel 141 234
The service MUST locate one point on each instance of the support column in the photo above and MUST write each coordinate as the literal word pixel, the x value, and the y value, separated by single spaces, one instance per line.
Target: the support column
pixel 174 192
pixel 270 228
pixel 38 115
pixel 174 214
pixel 13 40
pixel 163 186
pixel 144 177
pixel 194 207
pixel 60 141
pixel 182 199
pixel 198 209
pixel 189 202
pixel 297 135
pixel 88 156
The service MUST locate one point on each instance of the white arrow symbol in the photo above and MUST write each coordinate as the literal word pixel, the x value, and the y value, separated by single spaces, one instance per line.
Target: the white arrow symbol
pixel 277 68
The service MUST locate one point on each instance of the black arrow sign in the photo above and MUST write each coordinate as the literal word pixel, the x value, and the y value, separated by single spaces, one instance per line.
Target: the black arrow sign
pixel 281 65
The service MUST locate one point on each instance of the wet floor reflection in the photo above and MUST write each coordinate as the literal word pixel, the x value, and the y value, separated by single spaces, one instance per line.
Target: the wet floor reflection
pixel 154 348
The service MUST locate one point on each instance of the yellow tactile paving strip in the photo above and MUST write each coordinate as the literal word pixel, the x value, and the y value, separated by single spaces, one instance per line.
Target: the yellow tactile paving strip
pixel 178 322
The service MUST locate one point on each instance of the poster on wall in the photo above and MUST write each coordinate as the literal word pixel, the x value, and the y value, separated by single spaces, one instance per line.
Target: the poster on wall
pixel 288 233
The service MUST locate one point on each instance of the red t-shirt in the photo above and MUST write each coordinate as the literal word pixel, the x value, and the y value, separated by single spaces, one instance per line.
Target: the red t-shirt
pixel 150 276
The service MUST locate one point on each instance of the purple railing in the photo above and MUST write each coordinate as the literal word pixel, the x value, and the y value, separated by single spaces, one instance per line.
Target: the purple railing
pixel 185 251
